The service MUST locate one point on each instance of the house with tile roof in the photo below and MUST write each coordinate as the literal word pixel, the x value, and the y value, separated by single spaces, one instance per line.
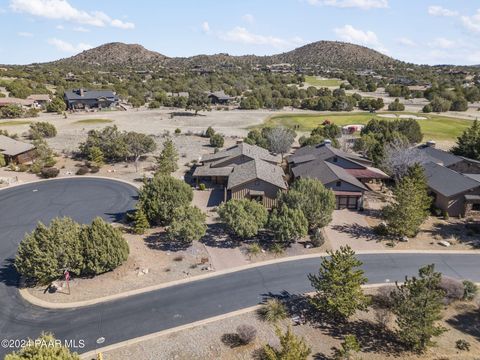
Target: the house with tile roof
pixel 245 172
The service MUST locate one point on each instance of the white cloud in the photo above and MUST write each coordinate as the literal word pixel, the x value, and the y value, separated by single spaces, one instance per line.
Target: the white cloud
pixel 362 4
pixel 443 43
pixel 406 42
pixel 436 10
pixel 62 10
pixel 206 27
pixel 366 38
pixel 80 29
pixel 24 34
pixel 59 27
pixel 68 47
pixel 242 35
pixel 472 23
pixel 248 18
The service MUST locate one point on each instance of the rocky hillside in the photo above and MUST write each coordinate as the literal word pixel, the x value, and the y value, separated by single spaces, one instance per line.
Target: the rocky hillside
pixel 115 54
pixel 334 54
pixel 329 54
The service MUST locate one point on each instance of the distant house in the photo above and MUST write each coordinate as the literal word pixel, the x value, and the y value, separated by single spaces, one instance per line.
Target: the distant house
pixel 219 97
pixel 40 100
pixel 15 101
pixel 16 152
pixel 246 172
pixel 346 174
pixel 90 99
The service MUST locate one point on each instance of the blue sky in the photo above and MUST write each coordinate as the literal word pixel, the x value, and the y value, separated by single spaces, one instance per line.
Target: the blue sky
pixel 420 31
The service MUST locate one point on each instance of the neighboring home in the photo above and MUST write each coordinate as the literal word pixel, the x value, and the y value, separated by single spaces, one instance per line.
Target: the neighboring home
pixel 15 101
pixel 347 174
pixel 245 171
pixel 454 193
pixel 178 94
pixel 39 100
pixel 16 152
pixel 458 163
pixel 88 99
pixel 219 97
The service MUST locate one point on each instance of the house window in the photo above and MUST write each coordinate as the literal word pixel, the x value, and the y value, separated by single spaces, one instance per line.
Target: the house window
pixel 476 207
pixel 338 184
pixel 335 159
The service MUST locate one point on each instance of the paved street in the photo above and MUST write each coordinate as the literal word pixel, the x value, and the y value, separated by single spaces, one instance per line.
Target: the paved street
pixel 139 315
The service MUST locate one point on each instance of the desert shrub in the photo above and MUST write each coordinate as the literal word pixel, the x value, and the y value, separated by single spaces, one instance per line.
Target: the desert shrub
pixel 82 170
pixel 49 172
pixel 453 288
pixel 246 333
pixel 254 249
pixel 178 131
pixel 273 311
pixel 383 296
pixel 217 141
pixel 209 132
pixel 201 187
pixel 350 345
pixel 23 168
pixel 470 289
pixel 463 345
pixel 42 130
pixel 317 239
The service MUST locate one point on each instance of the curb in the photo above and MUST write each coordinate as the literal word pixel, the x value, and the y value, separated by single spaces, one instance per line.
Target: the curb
pixel 49 305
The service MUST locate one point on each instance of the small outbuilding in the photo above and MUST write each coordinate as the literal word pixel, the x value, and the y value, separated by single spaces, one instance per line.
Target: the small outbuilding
pixel 16 152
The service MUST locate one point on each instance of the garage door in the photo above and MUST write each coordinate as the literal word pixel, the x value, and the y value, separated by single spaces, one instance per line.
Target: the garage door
pixel 347 202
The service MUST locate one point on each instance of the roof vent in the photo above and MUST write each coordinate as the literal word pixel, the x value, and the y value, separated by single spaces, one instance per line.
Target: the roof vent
pixel 431 143
pixel 327 142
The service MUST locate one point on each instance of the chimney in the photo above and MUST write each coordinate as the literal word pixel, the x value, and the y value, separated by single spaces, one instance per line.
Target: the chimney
pixel 431 143
pixel 81 92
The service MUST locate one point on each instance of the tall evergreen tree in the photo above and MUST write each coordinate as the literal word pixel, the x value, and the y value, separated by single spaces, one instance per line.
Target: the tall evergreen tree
pixel 417 304
pixel 411 204
pixel 244 217
pixel 288 224
pixel 188 224
pixel 104 247
pixel 140 221
pixel 468 144
pixel 338 285
pixel 167 160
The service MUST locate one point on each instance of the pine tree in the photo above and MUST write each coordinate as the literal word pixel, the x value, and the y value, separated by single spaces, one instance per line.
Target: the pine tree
pixel 96 155
pixel 288 224
pixel 244 217
pixel 188 224
pixel 41 349
pixel 338 285
pixel 468 144
pixel 104 247
pixel 417 305
pixel 140 221
pixel 350 345
pixel 291 347
pixel 167 160
pixel 411 204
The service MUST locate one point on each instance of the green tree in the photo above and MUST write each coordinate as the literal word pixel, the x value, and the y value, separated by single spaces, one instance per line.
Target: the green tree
pixel 288 225
pixel 104 247
pixel 95 155
pixel 140 221
pixel 338 285
pixel 468 144
pixel 217 141
pixel 197 101
pixel 417 304
pixel 209 132
pixel 43 348
pixel 44 156
pixel 396 106
pixel 45 253
pixel 110 140
pixel 138 144
pixel 350 345
pixel 161 195
pixel 11 111
pixel 188 224
pixel 313 199
pixel 292 347
pixel 411 204
pixel 42 129
pixel 3 162
pixel 244 217
pixel 167 160
pixel 56 105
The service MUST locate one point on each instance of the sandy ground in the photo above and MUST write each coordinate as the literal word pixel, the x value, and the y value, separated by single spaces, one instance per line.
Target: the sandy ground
pixel 147 265
pixel 205 342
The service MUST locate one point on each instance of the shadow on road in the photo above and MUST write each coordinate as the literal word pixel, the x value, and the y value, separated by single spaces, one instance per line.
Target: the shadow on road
pixel 8 274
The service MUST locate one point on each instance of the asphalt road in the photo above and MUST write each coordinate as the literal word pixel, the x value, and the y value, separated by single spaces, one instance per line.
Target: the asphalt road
pixel 119 320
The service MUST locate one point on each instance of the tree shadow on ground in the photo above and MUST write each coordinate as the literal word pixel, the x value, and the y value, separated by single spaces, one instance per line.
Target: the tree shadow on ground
pixel 465 233
pixel 159 241
pixel 8 274
pixel 217 236
pixel 231 340
pixel 467 322
pixel 184 113
pixel 358 231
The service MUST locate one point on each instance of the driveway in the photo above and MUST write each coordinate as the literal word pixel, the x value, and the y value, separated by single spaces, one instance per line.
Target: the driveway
pixel 169 307
pixel 349 227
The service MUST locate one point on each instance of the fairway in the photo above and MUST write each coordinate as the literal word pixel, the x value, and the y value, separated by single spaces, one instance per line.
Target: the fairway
pixel 314 81
pixel 93 121
pixel 14 122
pixel 435 127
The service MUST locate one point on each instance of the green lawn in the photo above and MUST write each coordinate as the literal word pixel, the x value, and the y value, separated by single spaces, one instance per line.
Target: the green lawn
pixel 14 122
pixel 93 121
pixel 313 81
pixel 435 127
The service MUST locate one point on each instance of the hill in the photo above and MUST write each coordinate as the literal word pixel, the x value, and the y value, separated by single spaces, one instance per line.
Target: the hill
pixel 115 54
pixel 327 54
